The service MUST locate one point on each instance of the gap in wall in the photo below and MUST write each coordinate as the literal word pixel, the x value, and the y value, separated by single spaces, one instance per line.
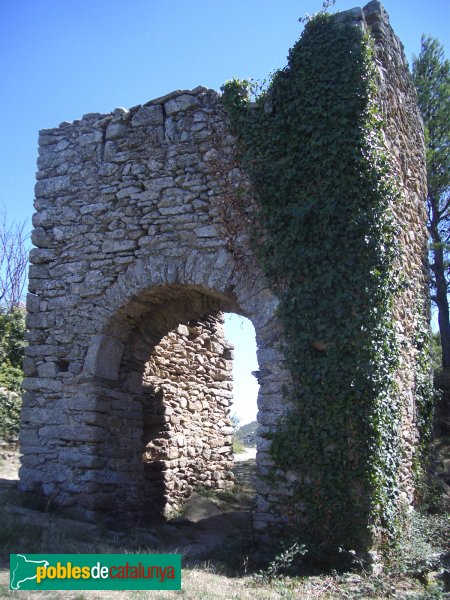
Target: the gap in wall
pixel 240 332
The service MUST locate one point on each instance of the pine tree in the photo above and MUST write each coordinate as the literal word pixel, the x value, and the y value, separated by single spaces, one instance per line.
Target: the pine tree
pixel 431 75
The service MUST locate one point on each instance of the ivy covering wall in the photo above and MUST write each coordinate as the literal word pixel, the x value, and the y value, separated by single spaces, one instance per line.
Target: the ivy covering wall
pixel 312 145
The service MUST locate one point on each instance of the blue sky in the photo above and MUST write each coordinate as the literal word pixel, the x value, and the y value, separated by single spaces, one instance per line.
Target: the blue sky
pixel 61 59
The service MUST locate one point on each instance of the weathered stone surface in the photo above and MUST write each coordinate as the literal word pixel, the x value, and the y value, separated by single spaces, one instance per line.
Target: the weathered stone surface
pixel 29 367
pixel 48 369
pixel 118 245
pixel 178 370
pixel 41 238
pixel 103 357
pixel 208 231
pixel 109 153
pixel 181 103
pixel 116 130
pixel 90 138
pixel 82 434
pixel 150 116
pixel 51 187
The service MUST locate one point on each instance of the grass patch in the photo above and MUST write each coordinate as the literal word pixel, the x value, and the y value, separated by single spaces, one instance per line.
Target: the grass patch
pixel 219 497
pixel 238 446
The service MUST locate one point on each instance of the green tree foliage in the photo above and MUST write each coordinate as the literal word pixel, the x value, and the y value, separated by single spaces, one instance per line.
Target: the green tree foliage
pixel 13 263
pixel 238 446
pixel 12 344
pixel 436 351
pixel 12 337
pixel 10 403
pixel 431 75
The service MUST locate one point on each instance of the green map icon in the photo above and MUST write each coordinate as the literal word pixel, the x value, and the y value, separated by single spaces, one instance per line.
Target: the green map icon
pixel 23 569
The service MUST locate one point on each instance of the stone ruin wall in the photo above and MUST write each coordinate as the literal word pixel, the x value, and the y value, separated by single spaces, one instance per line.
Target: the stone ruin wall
pixel 187 392
pixel 404 138
pixel 133 238
pixel 130 242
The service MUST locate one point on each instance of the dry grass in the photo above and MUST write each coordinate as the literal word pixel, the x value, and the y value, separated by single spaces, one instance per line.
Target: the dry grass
pixel 409 578
pixel 204 582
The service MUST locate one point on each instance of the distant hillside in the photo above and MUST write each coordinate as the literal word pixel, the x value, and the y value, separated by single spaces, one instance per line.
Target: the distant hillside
pixel 247 434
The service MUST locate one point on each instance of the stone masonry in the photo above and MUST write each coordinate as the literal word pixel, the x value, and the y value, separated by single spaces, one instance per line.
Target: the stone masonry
pixel 187 391
pixel 139 248
pixel 130 244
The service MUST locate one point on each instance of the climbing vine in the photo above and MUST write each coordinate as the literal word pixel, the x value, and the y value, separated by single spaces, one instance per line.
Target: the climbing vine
pixel 425 394
pixel 425 400
pixel 327 238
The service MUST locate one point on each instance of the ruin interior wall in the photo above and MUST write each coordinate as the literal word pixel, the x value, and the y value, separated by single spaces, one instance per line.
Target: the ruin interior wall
pixel 187 392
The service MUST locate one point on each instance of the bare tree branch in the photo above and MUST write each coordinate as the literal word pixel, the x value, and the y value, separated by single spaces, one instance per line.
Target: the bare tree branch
pixel 13 262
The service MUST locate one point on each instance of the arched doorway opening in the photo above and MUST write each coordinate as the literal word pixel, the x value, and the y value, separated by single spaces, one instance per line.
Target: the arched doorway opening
pixel 168 400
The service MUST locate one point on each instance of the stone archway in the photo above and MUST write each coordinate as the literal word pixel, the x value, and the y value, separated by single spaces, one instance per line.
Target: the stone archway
pixel 115 451
pixel 159 376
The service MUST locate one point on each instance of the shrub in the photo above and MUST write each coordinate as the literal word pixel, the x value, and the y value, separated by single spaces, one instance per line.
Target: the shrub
pixel 12 344
pixel 10 403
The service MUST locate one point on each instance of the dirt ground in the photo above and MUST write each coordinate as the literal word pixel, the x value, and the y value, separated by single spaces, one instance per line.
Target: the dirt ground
pixel 9 464
pixel 201 528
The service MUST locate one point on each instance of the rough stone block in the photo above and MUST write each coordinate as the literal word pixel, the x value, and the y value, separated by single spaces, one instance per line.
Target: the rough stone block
pixel 48 369
pixel 118 245
pixel 184 102
pixel 77 433
pixel 103 357
pixel 41 238
pixel 149 116
pixel 116 130
pixel 52 187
